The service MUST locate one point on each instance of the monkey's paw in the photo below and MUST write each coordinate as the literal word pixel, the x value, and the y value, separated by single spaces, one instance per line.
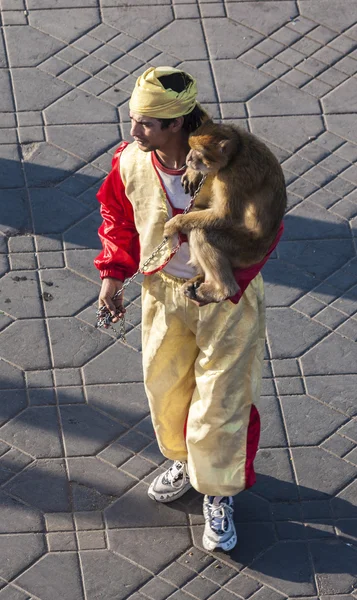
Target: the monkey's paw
pixel 205 292
pixel 190 181
pixel 172 226
pixel 190 287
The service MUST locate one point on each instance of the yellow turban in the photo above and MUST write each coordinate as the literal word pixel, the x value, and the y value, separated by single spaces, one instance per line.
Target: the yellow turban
pixel 151 99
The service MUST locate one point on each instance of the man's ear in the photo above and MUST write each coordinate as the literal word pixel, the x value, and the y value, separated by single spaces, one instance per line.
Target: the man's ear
pixel 177 124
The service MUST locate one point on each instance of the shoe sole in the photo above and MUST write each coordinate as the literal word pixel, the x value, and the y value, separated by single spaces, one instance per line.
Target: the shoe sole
pixel 166 498
pixel 226 546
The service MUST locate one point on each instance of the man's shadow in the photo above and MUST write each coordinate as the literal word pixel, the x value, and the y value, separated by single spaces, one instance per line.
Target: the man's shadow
pixel 301 547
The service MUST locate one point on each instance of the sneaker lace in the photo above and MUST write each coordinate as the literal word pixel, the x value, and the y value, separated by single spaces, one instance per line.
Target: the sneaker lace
pixel 219 515
pixel 176 471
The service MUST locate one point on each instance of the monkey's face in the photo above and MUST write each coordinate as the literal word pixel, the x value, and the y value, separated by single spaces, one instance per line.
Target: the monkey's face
pixel 198 161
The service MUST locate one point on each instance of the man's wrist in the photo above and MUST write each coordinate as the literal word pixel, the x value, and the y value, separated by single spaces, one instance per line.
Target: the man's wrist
pixel 112 273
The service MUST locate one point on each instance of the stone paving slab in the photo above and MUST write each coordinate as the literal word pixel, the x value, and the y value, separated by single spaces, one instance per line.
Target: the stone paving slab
pixel 77 448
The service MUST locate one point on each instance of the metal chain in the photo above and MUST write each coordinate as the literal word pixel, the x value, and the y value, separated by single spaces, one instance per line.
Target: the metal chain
pixel 104 317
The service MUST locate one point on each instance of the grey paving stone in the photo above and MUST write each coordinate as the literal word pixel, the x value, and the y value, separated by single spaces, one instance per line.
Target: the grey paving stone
pixel 308 221
pixel 275 479
pixel 334 355
pixel 138 545
pixel 47 577
pixel 272 429
pixel 248 507
pixel 52 213
pixel 18 340
pixel 91 540
pixel 19 517
pixel 28 47
pixel 13 462
pixel 243 585
pixel 88 520
pixel 347 530
pixel 218 30
pixel 61 542
pixel 309 255
pixel 157 589
pixel 115 574
pixel 177 573
pixel 86 431
pixel 125 402
pixel 279 98
pixel 229 71
pixel 62 302
pixel 34 90
pixel 9 592
pixel 288 132
pixel 19 431
pixel 303 333
pixel 42 485
pixel 74 343
pixel 334 563
pixel 284 283
pixel 10 376
pixel 135 509
pixel 84 235
pixel 339 445
pixel 15 210
pixel 59 522
pixel 101 477
pixel 20 551
pixel 201 588
pixel 350 430
pixel 131 21
pixel 6 101
pixel 70 395
pixel 80 107
pixel 41 167
pixel 21 261
pixel 308 422
pixel 86 498
pixel 22 289
pixel 116 363
pixel 67 24
pixel 86 142
pixel 138 467
pixel 286 565
pixel 115 454
pixel 326 475
pixel 274 15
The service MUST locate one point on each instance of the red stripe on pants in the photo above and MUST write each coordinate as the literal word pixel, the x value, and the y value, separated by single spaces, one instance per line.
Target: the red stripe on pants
pixel 253 436
pixel 252 446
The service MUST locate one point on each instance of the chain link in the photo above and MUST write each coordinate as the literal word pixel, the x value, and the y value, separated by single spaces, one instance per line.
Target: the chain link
pixel 104 317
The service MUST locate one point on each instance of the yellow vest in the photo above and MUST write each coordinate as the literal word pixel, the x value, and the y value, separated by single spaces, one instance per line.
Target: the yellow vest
pixel 148 199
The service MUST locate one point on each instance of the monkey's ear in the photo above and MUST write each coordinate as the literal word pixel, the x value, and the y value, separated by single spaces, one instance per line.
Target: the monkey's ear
pixel 225 146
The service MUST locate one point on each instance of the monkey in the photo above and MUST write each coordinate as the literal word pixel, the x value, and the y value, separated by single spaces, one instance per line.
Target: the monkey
pixel 237 212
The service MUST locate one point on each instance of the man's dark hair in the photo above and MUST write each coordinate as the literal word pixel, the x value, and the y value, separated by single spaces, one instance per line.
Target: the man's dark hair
pixel 179 82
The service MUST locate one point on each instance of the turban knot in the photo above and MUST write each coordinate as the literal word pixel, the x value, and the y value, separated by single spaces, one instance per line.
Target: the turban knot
pixel 151 99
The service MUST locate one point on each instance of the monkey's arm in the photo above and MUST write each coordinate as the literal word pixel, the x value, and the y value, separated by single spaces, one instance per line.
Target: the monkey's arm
pixel 200 219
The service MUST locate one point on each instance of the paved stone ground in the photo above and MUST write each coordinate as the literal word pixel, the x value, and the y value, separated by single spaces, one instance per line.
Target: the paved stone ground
pixel 77 447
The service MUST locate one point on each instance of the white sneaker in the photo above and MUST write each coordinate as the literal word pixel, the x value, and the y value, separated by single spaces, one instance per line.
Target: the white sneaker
pixel 220 531
pixel 172 484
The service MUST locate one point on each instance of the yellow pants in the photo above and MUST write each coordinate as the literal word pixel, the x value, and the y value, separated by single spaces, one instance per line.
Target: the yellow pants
pixel 202 372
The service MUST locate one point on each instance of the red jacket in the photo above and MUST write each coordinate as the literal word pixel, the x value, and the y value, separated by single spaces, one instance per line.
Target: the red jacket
pixel 120 240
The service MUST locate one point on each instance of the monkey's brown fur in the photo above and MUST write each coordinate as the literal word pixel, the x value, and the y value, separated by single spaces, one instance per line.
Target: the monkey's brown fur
pixel 237 213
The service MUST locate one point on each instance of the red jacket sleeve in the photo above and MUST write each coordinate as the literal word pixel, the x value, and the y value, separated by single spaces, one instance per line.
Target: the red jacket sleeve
pixel 120 240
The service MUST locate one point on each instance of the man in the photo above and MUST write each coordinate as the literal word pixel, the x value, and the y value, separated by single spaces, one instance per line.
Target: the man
pixel 202 364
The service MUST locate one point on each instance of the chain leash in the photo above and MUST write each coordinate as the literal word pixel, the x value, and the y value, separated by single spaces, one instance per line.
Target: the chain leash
pixel 104 317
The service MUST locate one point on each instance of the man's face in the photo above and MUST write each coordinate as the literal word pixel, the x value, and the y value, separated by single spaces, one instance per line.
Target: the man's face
pixel 147 132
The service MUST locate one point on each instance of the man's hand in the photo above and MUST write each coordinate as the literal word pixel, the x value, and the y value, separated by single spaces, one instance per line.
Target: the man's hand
pixel 110 287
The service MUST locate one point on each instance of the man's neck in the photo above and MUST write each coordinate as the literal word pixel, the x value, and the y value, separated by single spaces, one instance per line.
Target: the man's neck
pixel 174 156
